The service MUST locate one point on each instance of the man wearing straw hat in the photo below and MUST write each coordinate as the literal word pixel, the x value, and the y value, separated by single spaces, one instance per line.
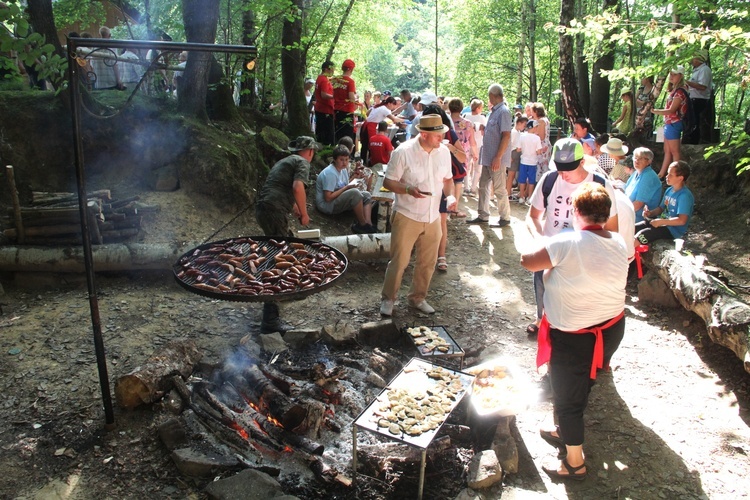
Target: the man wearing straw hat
pixel 419 170
pixel 700 96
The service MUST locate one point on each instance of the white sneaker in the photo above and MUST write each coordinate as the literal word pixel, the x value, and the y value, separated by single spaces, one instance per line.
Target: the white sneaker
pixel 386 307
pixel 521 200
pixel 422 306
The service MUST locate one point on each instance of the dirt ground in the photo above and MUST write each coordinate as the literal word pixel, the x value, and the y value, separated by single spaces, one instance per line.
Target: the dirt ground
pixel 669 421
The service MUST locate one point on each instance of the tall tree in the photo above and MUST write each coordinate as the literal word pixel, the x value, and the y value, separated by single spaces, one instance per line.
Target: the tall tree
pixel 201 18
pixel 571 104
pixel 533 87
pixel 582 66
pixel 42 21
pixel 293 66
pixel 600 84
pixel 522 41
pixel 342 23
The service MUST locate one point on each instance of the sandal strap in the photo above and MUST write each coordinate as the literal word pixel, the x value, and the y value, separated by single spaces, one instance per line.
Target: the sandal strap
pixel 572 470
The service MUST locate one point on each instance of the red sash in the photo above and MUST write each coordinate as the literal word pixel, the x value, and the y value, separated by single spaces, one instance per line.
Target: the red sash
pixel 544 347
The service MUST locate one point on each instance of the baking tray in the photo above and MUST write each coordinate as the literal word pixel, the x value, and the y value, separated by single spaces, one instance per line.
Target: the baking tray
pixel 435 356
pixel 269 247
pixel 414 378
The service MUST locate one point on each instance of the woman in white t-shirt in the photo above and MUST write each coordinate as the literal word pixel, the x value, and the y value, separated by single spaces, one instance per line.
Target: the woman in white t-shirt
pixel 377 114
pixel 585 272
pixel 473 168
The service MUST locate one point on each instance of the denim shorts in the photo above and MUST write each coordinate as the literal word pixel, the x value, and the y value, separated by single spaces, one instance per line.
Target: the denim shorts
pixel 527 174
pixel 673 131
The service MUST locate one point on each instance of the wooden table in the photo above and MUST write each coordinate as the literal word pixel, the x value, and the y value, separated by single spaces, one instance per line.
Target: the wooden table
pixel 386 198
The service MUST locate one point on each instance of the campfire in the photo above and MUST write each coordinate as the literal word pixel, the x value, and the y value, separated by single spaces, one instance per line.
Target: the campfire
pixel 297 413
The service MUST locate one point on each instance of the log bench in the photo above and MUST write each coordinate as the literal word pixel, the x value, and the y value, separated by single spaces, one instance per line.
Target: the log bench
pixel 727 317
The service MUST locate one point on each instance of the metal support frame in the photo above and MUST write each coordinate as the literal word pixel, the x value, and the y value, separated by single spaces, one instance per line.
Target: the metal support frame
pixel 75 101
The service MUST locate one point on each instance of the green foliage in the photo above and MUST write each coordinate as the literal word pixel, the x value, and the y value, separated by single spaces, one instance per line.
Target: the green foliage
pixel 30 48
pixel 86 12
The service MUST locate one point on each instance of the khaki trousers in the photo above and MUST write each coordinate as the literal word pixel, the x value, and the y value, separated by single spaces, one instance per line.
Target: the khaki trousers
pixel 424 238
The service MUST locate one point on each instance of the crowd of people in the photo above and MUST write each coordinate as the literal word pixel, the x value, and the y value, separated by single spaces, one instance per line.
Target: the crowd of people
pixel 592 200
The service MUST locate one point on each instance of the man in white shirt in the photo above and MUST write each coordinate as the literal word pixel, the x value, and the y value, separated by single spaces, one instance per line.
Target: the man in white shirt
pixel 419 170
pixel 700 96
pixel 553 213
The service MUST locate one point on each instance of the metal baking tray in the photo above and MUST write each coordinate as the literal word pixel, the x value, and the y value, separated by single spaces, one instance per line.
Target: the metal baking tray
pixel 454 350
pixel 242 247
pixel 413 376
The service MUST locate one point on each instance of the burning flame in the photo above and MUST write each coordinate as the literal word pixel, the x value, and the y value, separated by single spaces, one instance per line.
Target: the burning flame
pixel 242 432
pixel 288 449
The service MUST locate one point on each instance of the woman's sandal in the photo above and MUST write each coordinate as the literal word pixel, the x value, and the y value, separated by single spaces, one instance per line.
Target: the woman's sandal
pixel 571 472
pixel 532 330
pixel 553 440
pixel 442 264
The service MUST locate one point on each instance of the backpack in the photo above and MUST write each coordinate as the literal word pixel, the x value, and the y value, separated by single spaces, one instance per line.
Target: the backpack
pixel 551 178
pixel 687 114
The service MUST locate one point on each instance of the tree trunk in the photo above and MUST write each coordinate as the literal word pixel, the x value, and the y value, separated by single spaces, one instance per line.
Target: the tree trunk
pixel 600 85
pixel 582 67
pixel 523 39
pixel 42 21
pixel 219 100
pixel 200 18
pixel 533 88
pixel 342 23
pixel 571 104
pixel 293 68
pixel 247 86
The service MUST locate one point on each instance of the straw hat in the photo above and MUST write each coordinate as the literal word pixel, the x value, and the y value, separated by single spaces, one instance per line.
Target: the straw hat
pixel 432 124
pixel 614 147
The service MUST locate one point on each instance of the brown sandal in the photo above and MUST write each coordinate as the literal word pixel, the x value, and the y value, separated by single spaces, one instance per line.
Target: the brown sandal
pixel 571 472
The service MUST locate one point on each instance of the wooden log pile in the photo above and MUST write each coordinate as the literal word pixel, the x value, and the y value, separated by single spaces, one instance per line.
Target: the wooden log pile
pixel 726 316
pixel 54 218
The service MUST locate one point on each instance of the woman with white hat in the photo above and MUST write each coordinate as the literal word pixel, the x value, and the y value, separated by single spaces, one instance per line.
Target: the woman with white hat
pixel 677 107
pixel 616 151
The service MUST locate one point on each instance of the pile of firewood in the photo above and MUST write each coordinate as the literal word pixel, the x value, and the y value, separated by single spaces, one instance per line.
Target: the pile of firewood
pixel 54 218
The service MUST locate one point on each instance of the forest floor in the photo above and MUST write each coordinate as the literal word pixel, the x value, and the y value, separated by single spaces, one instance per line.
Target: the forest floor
pixel 669 421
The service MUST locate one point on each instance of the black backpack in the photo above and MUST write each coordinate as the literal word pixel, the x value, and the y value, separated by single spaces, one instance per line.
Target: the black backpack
pixel 549 181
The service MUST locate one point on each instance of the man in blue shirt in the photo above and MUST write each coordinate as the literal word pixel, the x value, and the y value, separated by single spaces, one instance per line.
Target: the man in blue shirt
pixel 495 159
pixel 643 186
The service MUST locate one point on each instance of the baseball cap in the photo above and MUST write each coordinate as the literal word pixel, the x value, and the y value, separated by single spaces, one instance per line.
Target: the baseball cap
pixel 309 80
pixel 427 98
pixel 303 142
pixel 348 64
pixel 680 69
pixel 567 154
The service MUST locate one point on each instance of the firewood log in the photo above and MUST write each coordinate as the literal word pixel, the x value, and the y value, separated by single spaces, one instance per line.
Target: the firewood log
pixel 149 382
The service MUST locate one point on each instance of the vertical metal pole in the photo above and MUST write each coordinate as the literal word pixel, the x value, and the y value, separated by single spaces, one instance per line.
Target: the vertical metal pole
pixel 421 474
pixel 354 453
pixel 101 360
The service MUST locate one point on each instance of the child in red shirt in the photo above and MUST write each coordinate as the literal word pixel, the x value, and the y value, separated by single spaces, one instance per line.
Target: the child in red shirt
pixel 380 146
